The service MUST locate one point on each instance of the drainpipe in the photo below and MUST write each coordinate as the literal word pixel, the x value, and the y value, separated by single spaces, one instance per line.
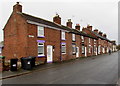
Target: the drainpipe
pixel 60 47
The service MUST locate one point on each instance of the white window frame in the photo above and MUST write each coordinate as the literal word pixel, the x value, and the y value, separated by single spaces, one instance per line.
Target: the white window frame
pixel 89 40
pixel 99 49
pixel 83 49
pixel 63 35
pixel 73 46
pixel 73 37
pixel 63 45
pixel 89 50
pixel 38 31
pixel 94 41
pixel 94 48
pixel 82 38
pixel 43 49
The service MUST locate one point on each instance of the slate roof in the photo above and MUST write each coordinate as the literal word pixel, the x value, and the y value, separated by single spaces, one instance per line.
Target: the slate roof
pixel 42 21
pixel 49 23
pixel 99 36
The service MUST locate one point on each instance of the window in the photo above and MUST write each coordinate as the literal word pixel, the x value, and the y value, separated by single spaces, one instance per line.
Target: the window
pixel 82 38
pixel 73 49
pixel 73 37
pixel 94 49
pixel 63 48
pixel 40 49
pixel 0 50
pixel 83 49
pixel 89 40
pixel 63 35
pixel 89 49
pixel 94 41
pixel 99 48
pixel 40 31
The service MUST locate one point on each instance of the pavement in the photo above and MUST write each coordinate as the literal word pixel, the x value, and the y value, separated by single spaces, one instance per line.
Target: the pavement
pixel 19 72
pixel 67 71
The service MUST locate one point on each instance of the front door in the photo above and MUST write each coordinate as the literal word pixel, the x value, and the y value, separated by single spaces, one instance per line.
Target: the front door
pixel 77 51
pixel 96 50
pixel 49 54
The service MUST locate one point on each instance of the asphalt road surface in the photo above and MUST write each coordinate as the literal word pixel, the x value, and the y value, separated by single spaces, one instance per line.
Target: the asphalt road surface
pixel 101 69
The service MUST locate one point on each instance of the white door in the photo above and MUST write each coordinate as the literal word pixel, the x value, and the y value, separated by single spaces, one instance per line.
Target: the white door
pixel 85 52
pixel 96 51
pixel 49 54
pixel 77 52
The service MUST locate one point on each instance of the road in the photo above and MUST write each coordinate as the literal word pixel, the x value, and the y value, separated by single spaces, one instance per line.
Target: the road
pixel 101 69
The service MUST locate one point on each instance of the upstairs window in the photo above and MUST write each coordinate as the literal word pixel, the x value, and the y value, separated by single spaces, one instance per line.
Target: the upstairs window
pixel 73 37
pixel 63 35
pixel 40 31
pixel 89 40
pixel 63 48
pixel 82 38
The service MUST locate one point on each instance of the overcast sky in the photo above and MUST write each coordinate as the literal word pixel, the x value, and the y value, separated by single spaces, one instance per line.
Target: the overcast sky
pixel 101 14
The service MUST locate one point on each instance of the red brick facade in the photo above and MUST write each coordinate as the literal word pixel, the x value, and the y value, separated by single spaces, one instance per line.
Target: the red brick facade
pixel 21 38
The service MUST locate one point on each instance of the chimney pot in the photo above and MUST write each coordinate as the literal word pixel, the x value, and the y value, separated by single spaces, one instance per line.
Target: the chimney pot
pixel 17 7
pixel 17 2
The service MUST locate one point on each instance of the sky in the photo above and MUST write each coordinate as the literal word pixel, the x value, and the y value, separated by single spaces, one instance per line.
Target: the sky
pixel 101 14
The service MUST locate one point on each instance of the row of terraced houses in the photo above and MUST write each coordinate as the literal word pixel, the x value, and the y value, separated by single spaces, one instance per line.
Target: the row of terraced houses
pixel 26 35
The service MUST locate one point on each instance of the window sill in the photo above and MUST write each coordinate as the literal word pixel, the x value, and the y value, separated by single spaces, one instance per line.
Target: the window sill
pixel 73 40
pixel 42 56
pixel 63 53
pixel 40 36
pixel 63 39
pixel 74 53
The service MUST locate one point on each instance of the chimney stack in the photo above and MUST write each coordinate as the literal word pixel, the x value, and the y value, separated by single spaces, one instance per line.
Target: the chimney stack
pixel 104 35
pixel 89 27
pixel 57 19
pixel 77 27
pixel 100 33
pixel 17 7
pixel 69 23
pixel 96 30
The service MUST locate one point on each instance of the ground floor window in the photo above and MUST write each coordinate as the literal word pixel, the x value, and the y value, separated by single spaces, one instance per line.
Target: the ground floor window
pixel 99 49
pixel 73 48
pixel 89 48
pixel 94 48
pixel 83 49
pixel 63 49
pixel 40 49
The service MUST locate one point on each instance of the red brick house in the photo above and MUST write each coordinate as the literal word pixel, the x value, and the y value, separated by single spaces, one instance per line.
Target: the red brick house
pixel 91 42
pixel 26 35
pixel 100 45
pixel 114 46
